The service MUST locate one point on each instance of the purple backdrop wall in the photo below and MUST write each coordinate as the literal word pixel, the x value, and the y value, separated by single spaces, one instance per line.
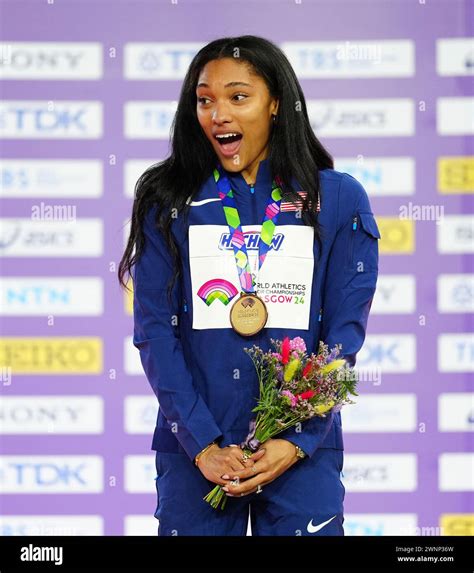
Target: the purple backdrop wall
pixel 80 82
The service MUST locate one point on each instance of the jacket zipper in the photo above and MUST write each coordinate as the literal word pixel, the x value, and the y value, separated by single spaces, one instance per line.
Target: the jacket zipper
pixel 254 207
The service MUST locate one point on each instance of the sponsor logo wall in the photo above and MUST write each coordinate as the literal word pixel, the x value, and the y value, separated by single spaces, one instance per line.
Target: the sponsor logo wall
pixel 86 108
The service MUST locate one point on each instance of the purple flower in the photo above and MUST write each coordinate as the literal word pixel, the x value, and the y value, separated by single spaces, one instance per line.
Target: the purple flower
pixel 333 354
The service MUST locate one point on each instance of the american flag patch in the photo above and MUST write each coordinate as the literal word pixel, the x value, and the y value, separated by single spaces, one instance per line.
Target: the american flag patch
pixel 289 206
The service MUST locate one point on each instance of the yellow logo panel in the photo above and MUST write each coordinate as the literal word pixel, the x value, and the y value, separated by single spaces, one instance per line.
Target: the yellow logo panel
pixel 457 524
pixel 398 236
pixel 456 174
pixel 51 355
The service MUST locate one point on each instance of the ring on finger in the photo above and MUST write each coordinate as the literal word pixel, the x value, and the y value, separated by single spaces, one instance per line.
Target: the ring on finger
pixel 254 469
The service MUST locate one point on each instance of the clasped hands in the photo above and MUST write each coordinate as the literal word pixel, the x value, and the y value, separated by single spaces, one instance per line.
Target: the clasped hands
pixel 226 466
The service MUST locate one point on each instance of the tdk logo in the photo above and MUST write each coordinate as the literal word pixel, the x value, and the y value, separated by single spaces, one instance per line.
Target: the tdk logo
pixel 251 241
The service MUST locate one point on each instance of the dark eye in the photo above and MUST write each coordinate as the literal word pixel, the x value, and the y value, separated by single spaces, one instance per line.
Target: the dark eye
pixel 243 95
pixel 200 99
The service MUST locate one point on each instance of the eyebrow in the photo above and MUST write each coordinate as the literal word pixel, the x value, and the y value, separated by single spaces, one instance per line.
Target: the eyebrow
pixel 229 85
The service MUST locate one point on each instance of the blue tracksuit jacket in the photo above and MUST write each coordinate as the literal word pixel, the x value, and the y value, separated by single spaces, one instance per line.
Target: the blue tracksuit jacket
pixel 205 383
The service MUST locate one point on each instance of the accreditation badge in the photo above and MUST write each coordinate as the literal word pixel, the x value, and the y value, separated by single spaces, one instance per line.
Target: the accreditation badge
pixel 284 282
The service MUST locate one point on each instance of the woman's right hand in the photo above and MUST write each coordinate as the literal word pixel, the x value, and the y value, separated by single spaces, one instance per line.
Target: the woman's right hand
pixel 216 462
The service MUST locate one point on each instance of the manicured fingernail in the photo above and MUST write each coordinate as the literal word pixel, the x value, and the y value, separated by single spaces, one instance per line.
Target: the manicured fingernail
pixel 225 488
pixel 225 476
pixel 230 495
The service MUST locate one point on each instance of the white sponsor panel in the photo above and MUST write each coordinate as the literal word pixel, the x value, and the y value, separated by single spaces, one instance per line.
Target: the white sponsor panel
pixel 456 352
pixel 455 234
pixel 351 59
pixel 60 296
pixel 381 176
pixel 57 119
pixel 455 56
pixel 140 414
pixel 140 525
pixel 455 115
pixel 50 474
pixel 132 362
pixel 22 237
pixel 380 472
pixel 51 414
pixel 49 525
pixel 381 413
pixel 392 353
pixel 456 412
pixel 284 282
pixel 158 60
pixel 379 524
pixel 456 471
pixel 22 178
pixel 148 119
pixel 456 293
pixel 395 294
pixel 140 474
pixel 382 117
pixel 51 61
pixel 133 168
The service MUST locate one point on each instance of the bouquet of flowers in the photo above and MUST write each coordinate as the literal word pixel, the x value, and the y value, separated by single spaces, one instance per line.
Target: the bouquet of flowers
pixel 294 387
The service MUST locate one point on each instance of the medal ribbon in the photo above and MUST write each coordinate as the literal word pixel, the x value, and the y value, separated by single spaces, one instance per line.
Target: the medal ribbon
pixel 231 213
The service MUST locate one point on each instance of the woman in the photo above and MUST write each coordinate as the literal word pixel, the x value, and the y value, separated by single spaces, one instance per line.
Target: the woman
pixel 242 125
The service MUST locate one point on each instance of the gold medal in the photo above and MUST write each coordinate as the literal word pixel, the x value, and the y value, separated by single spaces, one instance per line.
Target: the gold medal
pixel 248 314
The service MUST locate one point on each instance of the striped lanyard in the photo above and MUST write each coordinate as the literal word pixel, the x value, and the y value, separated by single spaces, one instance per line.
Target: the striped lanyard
pixel 231 213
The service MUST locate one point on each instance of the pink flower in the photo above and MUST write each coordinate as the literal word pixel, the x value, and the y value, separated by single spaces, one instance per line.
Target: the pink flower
pixel 298 343
pixel 292 397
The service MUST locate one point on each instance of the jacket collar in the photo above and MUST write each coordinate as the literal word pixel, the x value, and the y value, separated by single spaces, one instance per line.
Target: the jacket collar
pixel 263 178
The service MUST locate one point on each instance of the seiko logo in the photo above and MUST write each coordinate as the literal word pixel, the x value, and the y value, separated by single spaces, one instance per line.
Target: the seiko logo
pixel 251 241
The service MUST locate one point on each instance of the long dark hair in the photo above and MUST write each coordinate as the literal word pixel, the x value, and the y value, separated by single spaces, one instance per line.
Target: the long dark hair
pixel 294 150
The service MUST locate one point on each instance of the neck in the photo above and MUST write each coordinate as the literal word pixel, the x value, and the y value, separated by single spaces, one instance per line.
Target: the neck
pixel 250 172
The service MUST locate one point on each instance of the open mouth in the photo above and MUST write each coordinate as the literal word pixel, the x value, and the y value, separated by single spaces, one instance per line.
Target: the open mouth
pixel 229 142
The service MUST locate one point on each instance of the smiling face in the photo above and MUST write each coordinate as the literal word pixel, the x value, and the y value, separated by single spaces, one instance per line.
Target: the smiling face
pixel 235 103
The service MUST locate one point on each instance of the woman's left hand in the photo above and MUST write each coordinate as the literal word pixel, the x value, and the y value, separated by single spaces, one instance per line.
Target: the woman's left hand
pixel 279 456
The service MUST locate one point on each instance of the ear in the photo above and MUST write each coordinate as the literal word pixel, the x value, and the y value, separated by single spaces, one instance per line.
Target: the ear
pixel 274 107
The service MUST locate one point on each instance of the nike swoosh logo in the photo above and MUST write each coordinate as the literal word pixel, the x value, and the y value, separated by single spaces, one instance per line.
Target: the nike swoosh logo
pixel 313 528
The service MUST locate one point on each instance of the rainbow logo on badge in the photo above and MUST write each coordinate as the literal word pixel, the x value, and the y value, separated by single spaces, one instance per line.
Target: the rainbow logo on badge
pixel 217 289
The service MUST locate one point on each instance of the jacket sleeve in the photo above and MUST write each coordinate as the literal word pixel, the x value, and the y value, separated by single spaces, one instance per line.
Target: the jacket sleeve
pixel 348 292
pixel 156 335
